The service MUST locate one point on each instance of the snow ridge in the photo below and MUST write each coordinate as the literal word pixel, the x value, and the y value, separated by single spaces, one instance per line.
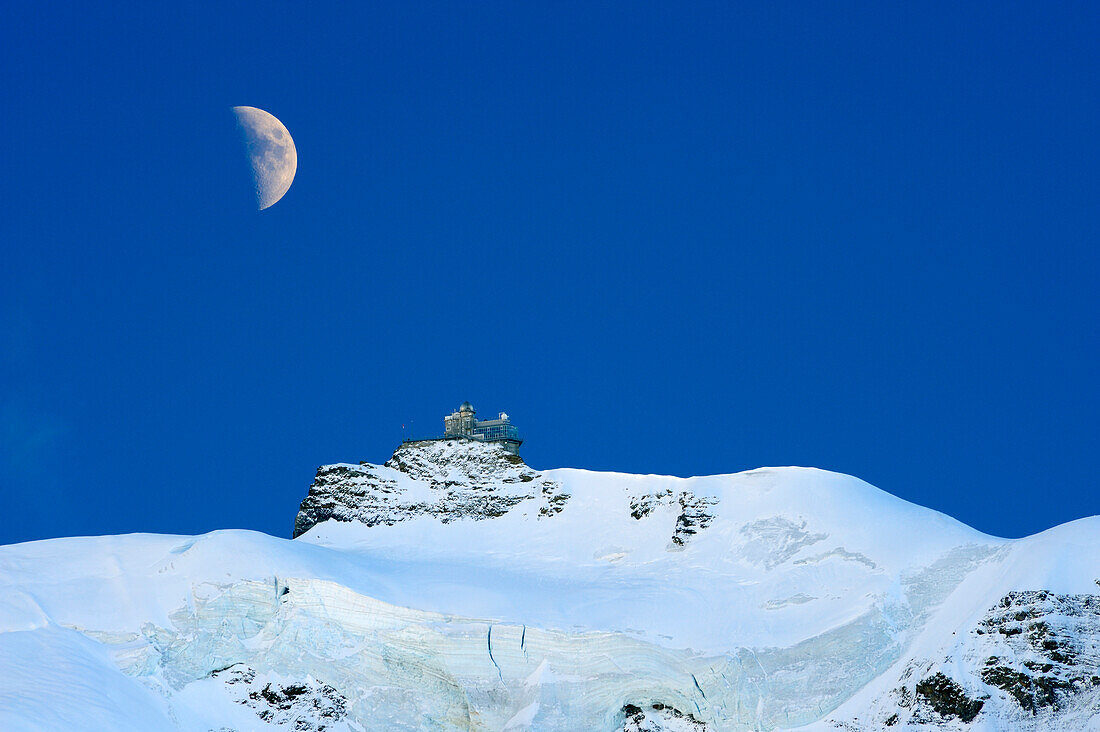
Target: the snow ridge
pixel 456 588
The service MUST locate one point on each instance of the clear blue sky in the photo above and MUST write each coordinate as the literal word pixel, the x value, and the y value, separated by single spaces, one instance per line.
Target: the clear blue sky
pixel 665 239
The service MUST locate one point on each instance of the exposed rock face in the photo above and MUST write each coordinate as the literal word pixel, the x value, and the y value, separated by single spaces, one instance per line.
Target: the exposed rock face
pixel 1047 647
pixel 446 479
pixel 947 698
pixel 308 705
pixel 659 718
pixel 465 479
pixel 1033 655
pixel 695 512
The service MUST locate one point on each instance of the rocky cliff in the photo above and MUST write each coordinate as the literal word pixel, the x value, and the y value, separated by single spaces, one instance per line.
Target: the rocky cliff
pixel 445 479
pixel 451 480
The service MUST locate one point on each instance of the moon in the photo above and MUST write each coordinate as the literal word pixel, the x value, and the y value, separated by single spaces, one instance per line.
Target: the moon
pixel 271 153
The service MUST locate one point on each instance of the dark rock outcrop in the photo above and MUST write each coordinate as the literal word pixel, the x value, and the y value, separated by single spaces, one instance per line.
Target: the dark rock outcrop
pixel 695 515
pixel 659 718
pixel 1047 647
pixel 445 479
pixel 308 706
pixel 695 512
pixel 947 698
pixel 1033 655
pixel 458 479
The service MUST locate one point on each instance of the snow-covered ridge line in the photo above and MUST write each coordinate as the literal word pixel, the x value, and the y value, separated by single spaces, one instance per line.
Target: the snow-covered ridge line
pixel 454 592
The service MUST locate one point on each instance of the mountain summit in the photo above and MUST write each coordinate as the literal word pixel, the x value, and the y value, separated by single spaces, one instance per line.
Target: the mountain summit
pixel 448 479
pixel 454 587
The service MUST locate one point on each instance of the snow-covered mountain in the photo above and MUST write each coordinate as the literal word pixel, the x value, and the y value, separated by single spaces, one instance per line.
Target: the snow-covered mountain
pixel 456 588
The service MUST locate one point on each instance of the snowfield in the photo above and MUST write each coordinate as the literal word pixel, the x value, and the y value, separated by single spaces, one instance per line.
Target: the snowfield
pixel 456 588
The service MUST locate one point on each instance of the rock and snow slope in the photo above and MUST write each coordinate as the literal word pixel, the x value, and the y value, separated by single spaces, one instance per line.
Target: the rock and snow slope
pixel 456 588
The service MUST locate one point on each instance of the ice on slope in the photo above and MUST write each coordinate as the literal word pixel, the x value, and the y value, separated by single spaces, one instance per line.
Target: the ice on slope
pixel 957 638
pixel 53 678
pixel 795 552
pixel 803 587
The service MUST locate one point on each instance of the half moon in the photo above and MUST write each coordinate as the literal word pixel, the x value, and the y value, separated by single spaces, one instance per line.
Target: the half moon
pixel 271 153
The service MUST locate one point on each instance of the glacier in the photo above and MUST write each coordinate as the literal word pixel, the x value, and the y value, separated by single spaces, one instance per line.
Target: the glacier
pixel 455 588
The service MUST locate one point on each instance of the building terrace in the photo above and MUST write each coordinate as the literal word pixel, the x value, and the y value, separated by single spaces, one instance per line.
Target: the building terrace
pixel 463 423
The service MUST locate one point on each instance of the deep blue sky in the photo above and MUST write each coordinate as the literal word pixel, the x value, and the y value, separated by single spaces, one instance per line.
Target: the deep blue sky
pixel 665 239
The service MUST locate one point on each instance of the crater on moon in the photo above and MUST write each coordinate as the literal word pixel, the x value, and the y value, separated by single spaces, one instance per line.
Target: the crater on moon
pixel 271 153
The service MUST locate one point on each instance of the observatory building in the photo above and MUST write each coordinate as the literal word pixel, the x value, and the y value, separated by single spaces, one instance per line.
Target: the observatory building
pixel 463 423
